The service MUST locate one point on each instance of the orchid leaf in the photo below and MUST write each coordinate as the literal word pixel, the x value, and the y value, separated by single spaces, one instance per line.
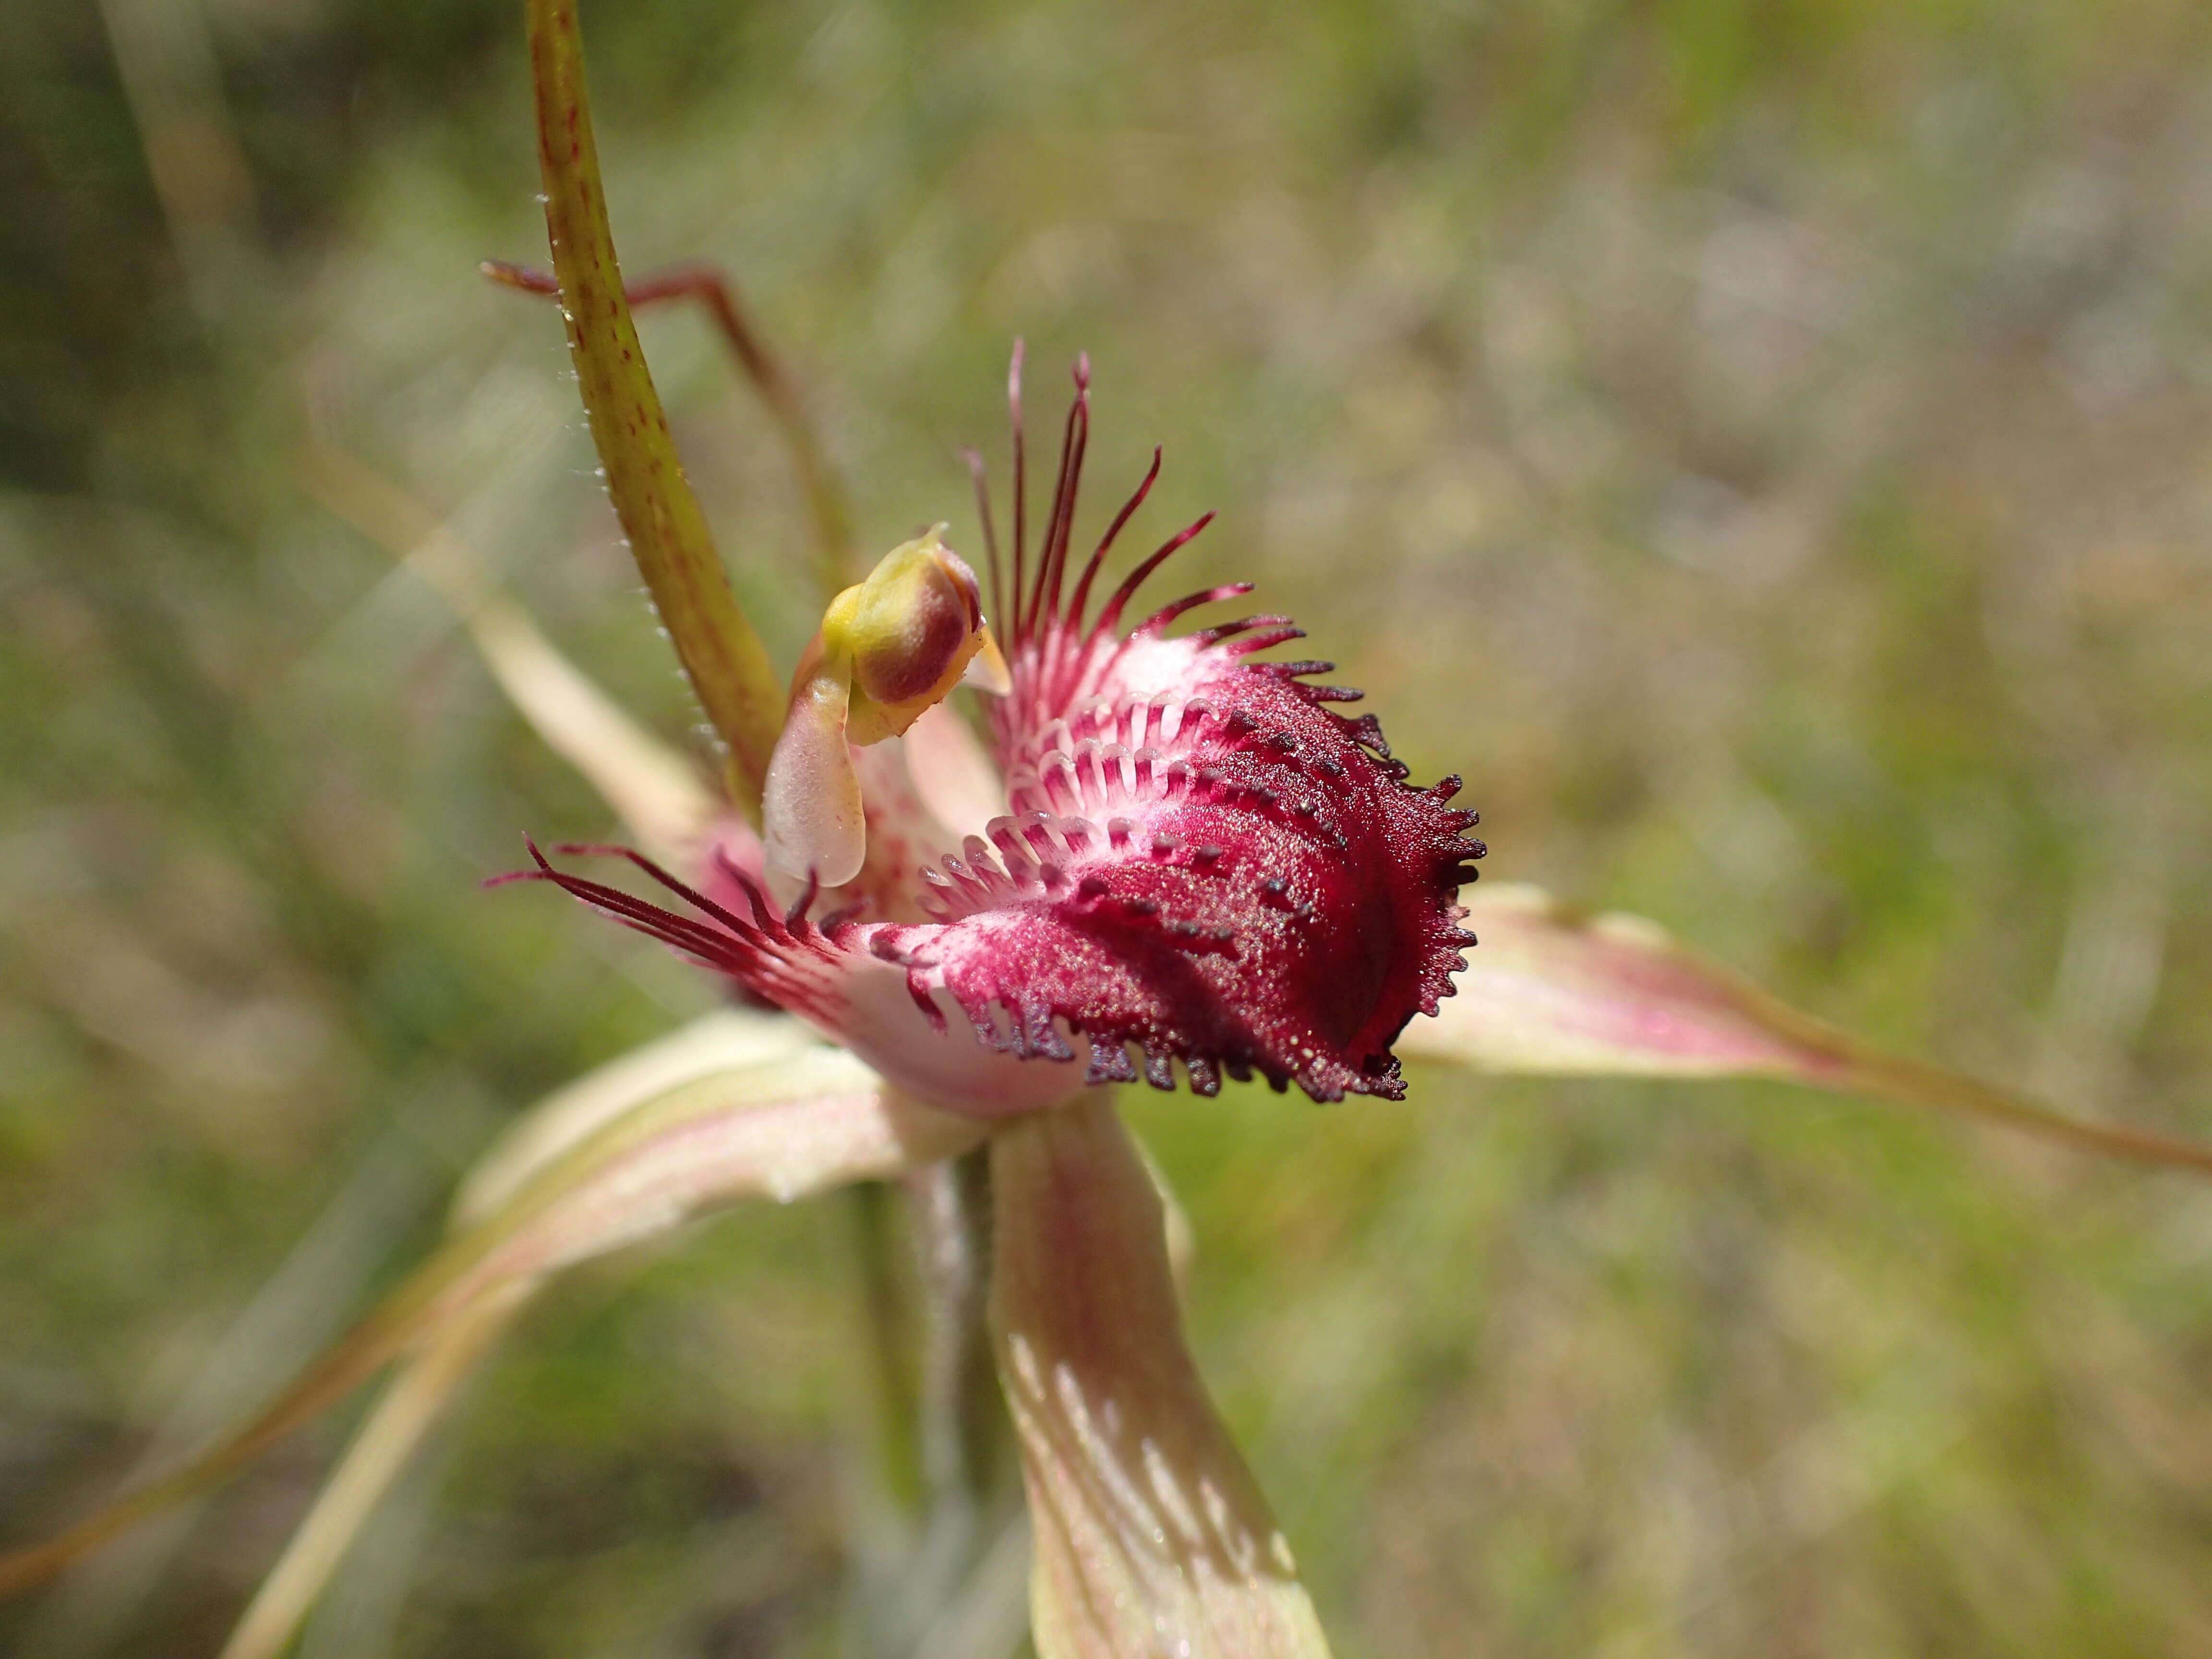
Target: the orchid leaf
pixel 1550 991
pixel 729 668
pixel 1151 1536
pixel 652 788
pixel 783 1125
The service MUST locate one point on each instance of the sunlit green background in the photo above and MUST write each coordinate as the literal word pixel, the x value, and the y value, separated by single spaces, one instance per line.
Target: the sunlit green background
pixel 1766 448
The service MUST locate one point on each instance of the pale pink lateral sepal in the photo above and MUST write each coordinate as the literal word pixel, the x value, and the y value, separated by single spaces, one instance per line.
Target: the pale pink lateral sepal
pixel 727 1041
pixel 1552 991
pixel 783 1127
pixel 1152 1537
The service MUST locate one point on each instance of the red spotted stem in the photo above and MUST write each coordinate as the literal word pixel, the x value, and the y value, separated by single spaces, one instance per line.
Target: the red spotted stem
pixel 729 670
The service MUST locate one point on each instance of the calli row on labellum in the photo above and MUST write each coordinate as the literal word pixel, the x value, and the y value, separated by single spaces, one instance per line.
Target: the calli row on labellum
pixel 1199 862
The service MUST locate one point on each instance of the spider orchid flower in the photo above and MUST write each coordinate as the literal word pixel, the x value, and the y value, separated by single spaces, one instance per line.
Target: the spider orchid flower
pixel 1173 853
pixel 1198 861
pixel 1197 858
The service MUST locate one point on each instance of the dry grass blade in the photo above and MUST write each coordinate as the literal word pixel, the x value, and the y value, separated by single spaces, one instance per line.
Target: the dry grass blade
pixel 420 1390
pixel 729 668
pixel 1151 1536
pixel 654 790
pixel 1552 992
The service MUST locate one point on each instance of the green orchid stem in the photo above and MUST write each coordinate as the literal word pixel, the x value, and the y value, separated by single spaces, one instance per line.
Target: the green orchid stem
pixel 728 667
pixel 963 1420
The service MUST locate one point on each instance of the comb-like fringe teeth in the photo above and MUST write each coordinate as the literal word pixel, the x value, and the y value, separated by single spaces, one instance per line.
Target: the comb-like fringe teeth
pixel 1081 599
pixel 975 470
pixel 1175 882
pixel 734 924
pixel 1021 467
pixel 795 915
pixel 688 893
pixel 692 937
pixel 1070 648
pixel 764 915
pixel 1158 621
pixel 1230 630
pixel 1266 640
pixel 1053 559
pixel 1110 1063
pixel 1109 616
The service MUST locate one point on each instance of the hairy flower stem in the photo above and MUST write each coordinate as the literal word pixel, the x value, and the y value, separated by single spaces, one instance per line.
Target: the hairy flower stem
pixel 946 1455
pixel 727 665
pixel 877 1242
pixel 962 1424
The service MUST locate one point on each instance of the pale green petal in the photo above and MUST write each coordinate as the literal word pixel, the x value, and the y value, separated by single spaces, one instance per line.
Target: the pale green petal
pixel 727 1040
pixel 784 1127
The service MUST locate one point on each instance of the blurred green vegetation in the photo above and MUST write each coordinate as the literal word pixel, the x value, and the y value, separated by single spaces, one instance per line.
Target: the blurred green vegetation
pixel 1767 449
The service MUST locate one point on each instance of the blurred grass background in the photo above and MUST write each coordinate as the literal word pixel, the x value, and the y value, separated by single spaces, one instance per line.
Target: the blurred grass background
pixel 1767 449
